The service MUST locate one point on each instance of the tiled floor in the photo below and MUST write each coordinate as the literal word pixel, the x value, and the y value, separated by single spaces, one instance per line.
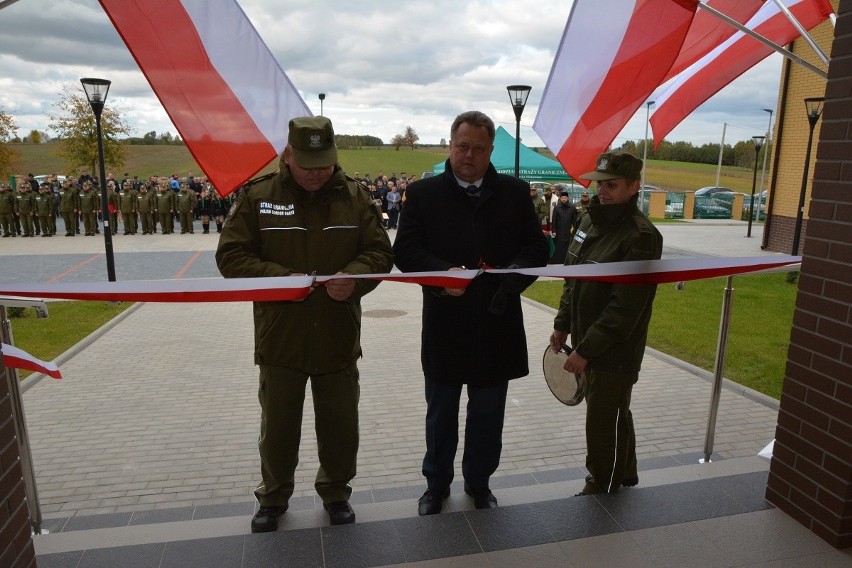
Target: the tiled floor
pixel 718 521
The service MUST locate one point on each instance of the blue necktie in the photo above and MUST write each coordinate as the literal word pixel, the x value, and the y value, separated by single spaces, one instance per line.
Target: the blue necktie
pixel 472 189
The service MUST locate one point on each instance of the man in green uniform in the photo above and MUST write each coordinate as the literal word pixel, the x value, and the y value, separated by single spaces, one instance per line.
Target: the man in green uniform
pixel 166 208
pixel 44 210
pixel 89 206
pixel 114 205
pixel 185 202
pixel 26 209
pixel 608 322
pixel 69 207
pixel 8 206
pixel 127 206
pixel 307 218
pixel 145 208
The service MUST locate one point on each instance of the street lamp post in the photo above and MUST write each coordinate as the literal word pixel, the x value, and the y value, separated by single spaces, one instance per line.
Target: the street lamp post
pixel 758 142
pixel 321 98
pixel 814 108
pixel 96 91
pixel 645 154
pixel 765 156
pixel 518 96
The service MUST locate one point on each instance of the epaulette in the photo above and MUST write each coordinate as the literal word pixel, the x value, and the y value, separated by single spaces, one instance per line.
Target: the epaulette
pixel 251 182
pixel 358 184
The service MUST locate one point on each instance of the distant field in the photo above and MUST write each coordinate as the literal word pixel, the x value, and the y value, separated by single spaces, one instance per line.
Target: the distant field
pixel 145 161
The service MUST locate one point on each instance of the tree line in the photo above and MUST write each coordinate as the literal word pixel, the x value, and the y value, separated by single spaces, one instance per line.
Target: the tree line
pixel 741 154
pixel 76 142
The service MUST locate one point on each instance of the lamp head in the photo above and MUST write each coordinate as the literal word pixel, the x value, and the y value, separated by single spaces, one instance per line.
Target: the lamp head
pixel 758 142
pixel 96 92
pixel 814 107
pixel 518 96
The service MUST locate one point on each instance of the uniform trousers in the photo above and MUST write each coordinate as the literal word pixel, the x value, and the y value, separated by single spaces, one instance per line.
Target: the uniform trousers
pixel 68 217
pixel 483 433
pixel 282 397
pixel 610 439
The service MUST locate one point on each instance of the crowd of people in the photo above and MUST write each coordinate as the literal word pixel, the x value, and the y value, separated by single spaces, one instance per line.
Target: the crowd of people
pixel 138 206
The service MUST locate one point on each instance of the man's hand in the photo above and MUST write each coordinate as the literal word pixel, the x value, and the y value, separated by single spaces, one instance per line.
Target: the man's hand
pixel 575 363
pixel 557 340
pixel 310 290
pixel 456 292
pixel 340 288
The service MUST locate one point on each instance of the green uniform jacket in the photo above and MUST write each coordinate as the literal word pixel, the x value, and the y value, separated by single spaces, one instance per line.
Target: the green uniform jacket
pixel 609 322
pixel 277 228
pixel 127 201
pixel 69 200
pixel 165 201
pixel 44 204
pixel 144 202
pixel 8 203
pixel 186 201
pixel 542 209
pixel 90 201
pixel 26 203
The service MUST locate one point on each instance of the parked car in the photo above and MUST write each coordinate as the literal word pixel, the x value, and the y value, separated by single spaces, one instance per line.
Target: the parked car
pixel 717 192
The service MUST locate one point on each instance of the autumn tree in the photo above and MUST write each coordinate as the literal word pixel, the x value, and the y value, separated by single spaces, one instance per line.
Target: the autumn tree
pixel 77 132
pixel 8 155
pixel 410 137
pixel 398 141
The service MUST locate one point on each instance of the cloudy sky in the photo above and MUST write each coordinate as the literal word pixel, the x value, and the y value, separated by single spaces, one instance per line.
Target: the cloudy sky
pixel 383 64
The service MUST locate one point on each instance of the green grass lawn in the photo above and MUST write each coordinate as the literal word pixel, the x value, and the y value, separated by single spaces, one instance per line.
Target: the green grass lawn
pixel 67 324
pixel 685 325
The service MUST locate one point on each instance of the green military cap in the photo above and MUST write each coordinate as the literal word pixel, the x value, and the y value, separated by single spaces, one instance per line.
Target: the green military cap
pixel 312 142
pixel 614 166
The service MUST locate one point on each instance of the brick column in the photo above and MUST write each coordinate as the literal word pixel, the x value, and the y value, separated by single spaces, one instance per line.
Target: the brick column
pixel 811 472
pixel 16 543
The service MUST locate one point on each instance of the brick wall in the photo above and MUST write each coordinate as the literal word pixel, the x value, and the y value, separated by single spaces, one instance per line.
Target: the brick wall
pixel 16 544
pixel 811 472
pixel 780 238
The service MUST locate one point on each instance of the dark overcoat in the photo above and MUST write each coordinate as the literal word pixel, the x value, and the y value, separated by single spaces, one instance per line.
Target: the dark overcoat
pixel 477 338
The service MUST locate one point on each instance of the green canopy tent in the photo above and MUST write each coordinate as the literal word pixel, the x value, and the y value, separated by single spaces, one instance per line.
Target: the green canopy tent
pixel 533 166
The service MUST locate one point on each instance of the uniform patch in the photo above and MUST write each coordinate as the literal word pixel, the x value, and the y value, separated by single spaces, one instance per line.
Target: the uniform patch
pixel 276 209
pixel 579 236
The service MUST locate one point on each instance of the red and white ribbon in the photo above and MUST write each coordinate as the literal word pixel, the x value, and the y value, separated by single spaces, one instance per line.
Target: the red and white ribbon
pixel 20 359
pixel 298 287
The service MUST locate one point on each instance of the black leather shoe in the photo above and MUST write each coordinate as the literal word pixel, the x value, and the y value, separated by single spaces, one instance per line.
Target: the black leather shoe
pixel 482 498
pixel 340 512
pixel 432 501
pixel 266 518
pixel 626 482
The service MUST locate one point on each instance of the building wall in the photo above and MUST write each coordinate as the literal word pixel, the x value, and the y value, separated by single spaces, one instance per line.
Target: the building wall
pixel 811 472
pixel 16 544
pixel 791 140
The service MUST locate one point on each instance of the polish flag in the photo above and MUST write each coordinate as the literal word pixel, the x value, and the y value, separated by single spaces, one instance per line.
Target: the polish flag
pixel 612 56
pixel 222 88
pixel 735 56
pixel 16 358
pixel 707 30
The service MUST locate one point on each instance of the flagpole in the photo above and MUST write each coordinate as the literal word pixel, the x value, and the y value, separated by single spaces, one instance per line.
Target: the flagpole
pixel 772 45
pixel 796 24
pixel 721 152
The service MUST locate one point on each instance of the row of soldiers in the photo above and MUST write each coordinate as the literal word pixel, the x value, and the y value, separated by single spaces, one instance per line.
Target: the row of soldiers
pixel 154 203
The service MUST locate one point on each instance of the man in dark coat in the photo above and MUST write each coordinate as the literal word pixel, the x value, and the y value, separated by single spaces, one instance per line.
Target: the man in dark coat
pixel 562 227
pixel 470 216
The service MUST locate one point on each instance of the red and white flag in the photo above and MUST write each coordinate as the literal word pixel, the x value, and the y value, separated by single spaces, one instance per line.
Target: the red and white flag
pixel 217 80
pixel 16 358
pixel 731 59
pixel 612 56
pixel 707 30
